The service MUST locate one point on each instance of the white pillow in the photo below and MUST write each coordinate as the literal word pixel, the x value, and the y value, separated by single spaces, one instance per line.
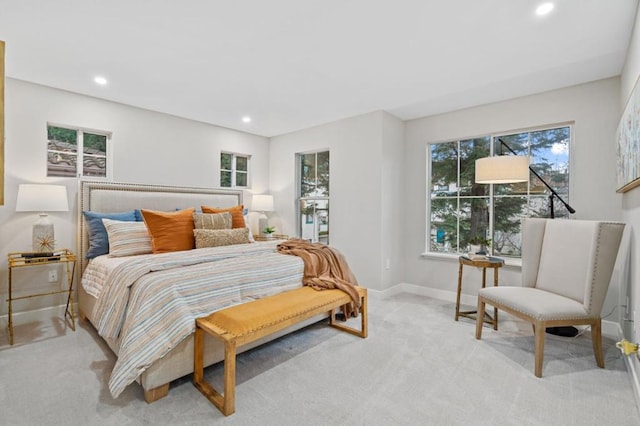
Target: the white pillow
pixel 245 215
pixel 127 238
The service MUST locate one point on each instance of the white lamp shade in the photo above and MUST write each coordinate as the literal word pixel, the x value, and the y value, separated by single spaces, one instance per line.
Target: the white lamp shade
pixel 502 169
pixel 42 198
pixel 262 203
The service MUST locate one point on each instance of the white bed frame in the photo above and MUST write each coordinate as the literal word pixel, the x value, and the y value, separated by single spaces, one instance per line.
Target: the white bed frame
pixel 110 197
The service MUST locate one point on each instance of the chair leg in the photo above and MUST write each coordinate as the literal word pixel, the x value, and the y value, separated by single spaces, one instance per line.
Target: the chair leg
pixel 539 330
pixel 480 317
pixel 596 338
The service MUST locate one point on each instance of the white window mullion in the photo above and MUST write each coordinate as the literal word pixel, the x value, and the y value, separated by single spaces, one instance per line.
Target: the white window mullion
pixel 80 150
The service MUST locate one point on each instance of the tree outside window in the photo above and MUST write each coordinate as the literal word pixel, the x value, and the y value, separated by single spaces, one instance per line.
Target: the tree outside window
pixel 463 211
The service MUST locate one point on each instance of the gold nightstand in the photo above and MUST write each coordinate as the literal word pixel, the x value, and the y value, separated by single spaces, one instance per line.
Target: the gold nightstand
pixel 20 260
pixel 274 237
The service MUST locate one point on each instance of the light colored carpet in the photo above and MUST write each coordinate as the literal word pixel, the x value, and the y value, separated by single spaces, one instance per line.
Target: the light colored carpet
pixel 418 367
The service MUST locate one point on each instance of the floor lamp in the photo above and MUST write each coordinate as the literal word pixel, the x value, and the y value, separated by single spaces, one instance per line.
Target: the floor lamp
pixel 516 168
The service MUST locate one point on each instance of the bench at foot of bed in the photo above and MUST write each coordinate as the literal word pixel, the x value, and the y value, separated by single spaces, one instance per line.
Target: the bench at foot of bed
pixel 242 324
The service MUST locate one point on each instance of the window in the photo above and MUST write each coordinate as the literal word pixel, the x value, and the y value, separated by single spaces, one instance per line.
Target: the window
pixel 77 152
pixel 234 170
pixel 313 199
pixel 461 210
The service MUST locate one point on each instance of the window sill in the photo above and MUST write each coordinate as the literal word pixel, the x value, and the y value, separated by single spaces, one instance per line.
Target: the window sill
pixel 509 262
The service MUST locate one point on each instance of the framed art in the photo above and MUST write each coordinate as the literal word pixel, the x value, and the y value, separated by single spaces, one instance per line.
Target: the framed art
pixel 1 123
pixel 628 144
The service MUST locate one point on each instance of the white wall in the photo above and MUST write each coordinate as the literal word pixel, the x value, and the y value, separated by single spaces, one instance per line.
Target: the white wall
pixel 594 108
pixel 631 199
pixel 392 200
pixel 359 219
pixel 148 147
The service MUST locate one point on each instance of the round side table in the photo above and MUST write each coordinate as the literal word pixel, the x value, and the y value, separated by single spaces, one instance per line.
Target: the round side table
pixel 490 262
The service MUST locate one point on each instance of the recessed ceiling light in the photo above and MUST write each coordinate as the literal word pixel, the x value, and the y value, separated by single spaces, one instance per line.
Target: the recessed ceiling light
pixel 246 119
pixel 544 8
pixel 100 80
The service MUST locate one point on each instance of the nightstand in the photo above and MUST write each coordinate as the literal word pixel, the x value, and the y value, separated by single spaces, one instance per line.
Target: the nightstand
pixel 275 237
pixel 22 260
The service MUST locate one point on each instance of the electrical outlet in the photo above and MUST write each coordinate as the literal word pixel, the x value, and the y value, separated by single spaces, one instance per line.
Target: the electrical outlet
pixel 53 276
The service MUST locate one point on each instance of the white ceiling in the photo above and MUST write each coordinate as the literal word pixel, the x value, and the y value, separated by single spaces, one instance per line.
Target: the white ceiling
pixel 293 64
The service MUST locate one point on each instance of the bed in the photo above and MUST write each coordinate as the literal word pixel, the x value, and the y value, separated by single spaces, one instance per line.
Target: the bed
pixel 176 360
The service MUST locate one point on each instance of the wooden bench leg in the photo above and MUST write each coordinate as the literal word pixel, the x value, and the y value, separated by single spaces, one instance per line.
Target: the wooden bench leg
pixel 364 320
pixel 198 356
pixel 223 402
pixel 229 398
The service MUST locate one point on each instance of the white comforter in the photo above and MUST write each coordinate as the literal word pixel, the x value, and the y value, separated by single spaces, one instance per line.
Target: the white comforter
pixel 150 302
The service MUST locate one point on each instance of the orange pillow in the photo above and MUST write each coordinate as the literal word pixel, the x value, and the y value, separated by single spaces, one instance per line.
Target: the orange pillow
pixel 237 219
pixel 170 231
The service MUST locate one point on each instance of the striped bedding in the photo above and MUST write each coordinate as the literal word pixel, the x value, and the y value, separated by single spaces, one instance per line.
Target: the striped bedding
pixel 150 302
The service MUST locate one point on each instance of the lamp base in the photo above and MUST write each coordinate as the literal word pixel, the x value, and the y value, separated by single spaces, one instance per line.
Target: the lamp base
pixel 263 222
pixel 42 236
pixel 563 331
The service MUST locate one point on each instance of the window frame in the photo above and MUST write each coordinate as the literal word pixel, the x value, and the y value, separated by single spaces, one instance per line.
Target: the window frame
pixel 491 194
pixel 234 169
pixel 80 131
pixel 300 199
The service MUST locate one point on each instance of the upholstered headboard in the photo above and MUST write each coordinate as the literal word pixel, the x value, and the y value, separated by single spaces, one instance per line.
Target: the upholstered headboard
pixel 112 197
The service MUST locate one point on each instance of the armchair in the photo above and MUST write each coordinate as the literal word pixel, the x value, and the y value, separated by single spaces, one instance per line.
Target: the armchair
pixel 566 269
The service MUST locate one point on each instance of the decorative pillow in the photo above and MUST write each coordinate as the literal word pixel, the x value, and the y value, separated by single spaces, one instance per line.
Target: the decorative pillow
pixel 220 237
pixel 245 215
pixel 237 219
pixel 212 220
pixel 170 231
pixel 127 238
pixel 98 239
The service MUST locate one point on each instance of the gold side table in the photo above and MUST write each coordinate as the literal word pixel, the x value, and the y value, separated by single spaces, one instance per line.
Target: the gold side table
pixel 20 260
pixel 490 262
pixel 274 237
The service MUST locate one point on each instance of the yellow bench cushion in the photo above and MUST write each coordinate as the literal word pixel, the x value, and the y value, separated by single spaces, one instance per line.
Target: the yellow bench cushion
pixel 251 317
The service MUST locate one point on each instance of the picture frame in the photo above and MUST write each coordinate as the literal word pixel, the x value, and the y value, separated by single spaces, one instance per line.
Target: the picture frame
pixel 628 144
pixel 1 123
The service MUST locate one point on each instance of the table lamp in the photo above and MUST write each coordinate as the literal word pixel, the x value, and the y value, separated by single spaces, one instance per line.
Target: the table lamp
pixel 262 203
pixel 42 198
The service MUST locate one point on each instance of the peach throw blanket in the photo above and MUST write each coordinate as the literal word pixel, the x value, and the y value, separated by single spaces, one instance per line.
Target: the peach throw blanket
pixel 324 268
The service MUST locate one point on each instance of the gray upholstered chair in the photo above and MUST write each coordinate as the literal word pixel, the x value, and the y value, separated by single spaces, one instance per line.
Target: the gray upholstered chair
pixel 566 269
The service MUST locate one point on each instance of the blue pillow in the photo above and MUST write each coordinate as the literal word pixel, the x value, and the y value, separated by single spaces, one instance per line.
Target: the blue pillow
pixel 98 239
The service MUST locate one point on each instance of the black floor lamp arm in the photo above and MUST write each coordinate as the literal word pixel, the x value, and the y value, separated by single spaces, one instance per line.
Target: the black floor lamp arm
pixel 553 192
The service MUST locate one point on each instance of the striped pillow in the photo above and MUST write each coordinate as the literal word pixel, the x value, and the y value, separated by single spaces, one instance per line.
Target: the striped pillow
pixel 212 221
pixel 237 219
pixel 127 238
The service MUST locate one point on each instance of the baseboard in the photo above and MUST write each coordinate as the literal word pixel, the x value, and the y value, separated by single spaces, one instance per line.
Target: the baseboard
pixel 633 368
pixel 610 329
